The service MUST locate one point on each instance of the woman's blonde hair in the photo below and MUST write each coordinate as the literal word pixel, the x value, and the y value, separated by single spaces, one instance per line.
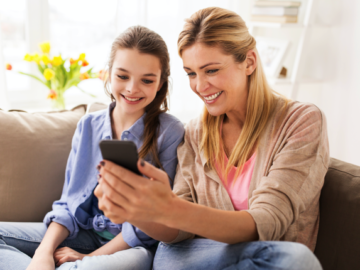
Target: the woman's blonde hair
pixel 217 27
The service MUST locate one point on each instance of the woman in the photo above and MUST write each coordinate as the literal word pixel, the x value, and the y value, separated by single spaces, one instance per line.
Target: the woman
pixel 76 234
pixel 251 167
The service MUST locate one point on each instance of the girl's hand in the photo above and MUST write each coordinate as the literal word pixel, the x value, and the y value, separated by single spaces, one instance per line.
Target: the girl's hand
pixel 42 261
pixel 65 254
pixel 124 195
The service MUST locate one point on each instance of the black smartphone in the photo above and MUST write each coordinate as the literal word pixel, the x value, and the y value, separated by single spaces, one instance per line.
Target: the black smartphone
pixel 123 153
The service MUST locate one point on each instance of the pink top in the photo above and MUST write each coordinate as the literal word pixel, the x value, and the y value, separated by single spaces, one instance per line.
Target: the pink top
pixel 238 191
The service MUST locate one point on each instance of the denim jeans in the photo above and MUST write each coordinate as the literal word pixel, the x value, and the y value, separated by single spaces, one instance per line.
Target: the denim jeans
pixel 18 242
pixel 200 253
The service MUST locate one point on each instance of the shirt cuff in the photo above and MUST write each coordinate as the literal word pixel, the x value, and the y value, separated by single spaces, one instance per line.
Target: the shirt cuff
pixel 63 218
pixel 134 237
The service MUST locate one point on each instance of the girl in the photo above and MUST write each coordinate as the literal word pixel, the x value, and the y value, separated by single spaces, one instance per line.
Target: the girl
pixel 251 168
pixel 138 72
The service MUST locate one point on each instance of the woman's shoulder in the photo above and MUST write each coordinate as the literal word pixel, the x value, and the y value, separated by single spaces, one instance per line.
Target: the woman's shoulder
pixel 93 120
pixel 294 111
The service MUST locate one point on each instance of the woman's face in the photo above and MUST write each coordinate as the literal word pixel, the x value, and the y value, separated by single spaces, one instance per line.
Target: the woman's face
pixel 135 80
pixel 217 79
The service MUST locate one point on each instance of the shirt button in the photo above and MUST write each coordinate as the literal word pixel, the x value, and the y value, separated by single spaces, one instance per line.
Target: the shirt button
pixel 84 195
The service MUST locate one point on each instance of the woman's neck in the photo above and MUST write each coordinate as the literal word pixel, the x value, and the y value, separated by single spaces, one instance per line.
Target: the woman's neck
pixel 121 121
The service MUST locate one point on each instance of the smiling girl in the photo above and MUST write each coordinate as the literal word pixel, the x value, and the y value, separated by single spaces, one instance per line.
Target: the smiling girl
pixel 139 71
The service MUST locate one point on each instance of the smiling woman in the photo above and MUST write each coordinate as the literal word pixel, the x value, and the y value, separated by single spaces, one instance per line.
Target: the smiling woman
pixel 251 168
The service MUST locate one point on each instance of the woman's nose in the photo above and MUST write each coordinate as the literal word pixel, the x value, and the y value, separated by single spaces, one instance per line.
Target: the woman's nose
pixel 201 85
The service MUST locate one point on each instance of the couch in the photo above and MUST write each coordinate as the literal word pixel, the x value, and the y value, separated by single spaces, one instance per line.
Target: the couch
pixel 34 149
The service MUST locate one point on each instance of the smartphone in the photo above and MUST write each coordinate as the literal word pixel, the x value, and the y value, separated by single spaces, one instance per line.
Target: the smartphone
pixel 123 153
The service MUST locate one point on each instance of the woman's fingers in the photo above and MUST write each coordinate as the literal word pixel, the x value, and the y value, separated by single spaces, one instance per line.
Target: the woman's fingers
pixel 114 212
pixel 152 172
pixel 114 196
pixel 128 177
pixel 117 185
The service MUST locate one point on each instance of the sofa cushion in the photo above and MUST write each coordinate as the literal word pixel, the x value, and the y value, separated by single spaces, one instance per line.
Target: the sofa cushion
pixel 34 148
pixel 338 243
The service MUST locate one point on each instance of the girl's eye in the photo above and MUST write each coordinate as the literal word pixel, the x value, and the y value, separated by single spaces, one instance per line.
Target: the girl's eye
pixel 191 74
pixel 212 71
pixel 122 77
pixel 147 81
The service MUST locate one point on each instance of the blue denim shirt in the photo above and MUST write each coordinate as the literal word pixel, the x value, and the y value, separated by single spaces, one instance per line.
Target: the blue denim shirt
pixel 75 207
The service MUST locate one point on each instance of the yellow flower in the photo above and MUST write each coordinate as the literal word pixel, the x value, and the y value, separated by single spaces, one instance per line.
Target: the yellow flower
pixel 49 74
pixel 57 61
pixel 82 56
pixel 36 58
pixel 72 61
pixel 52 95
pixel 45 59
pixel 45 47
pixel 28 57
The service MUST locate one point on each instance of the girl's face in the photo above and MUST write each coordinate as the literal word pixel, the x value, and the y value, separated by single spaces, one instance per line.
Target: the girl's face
pixel 217 79
pixel 135 80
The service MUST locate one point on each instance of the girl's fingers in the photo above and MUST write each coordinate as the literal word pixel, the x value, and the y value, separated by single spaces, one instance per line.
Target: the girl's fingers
pixel 109 208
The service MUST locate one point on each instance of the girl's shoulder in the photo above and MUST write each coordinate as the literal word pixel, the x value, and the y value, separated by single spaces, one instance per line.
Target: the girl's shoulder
pixel 94 120
pixel 170 126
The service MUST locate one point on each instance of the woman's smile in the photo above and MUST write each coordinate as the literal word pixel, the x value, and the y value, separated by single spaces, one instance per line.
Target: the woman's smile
pixel 212 98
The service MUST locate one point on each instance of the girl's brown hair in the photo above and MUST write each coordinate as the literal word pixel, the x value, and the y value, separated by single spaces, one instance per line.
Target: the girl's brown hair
pixel 146 41
pixel 217 27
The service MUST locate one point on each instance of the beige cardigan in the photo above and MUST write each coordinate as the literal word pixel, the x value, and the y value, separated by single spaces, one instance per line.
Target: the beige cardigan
pixel 290 167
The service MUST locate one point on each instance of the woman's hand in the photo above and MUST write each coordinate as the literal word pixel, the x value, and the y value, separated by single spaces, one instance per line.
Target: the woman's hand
pixel 65 254
pixel 123 195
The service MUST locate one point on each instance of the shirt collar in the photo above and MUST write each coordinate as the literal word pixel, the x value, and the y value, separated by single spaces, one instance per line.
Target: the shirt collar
pixel 107 133
pixel 136 129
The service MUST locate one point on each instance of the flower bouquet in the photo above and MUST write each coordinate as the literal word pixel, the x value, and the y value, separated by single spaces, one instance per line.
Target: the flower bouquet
pixel 60 74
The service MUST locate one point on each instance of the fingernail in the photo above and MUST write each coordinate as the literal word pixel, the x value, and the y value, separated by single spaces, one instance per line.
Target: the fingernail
pixel 142 163
pixel 102 163
pixel 98 167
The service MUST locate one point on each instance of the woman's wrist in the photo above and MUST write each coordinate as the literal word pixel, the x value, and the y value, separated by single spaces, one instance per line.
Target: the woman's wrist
pixel 170 215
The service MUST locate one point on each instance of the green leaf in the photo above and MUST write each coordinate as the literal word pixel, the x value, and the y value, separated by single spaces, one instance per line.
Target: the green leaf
pixel 47 83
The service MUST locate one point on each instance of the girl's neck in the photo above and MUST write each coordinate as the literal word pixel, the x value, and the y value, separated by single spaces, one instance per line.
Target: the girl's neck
pixel 121 121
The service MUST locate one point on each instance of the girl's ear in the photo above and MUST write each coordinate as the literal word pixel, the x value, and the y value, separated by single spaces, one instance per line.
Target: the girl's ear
pixel 160 85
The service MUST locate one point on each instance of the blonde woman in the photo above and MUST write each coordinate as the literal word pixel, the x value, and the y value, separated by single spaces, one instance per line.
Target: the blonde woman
pixel 250 172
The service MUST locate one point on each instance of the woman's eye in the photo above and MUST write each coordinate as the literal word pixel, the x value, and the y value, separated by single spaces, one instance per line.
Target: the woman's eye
pixel 147 81
pixel 212 71
pixel 122 77
pixel 191 74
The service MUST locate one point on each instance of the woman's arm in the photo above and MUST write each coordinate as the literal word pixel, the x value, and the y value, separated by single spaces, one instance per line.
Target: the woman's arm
pixel 137 199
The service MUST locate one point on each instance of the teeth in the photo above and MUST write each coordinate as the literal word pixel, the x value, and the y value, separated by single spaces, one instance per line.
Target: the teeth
pixel 132 99
pixel 212 97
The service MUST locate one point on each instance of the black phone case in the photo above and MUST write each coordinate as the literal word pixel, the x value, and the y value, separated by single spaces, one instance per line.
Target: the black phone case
pixel 123 153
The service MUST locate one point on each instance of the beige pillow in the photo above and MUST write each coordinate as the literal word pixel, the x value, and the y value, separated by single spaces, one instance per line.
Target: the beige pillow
pixel 34 148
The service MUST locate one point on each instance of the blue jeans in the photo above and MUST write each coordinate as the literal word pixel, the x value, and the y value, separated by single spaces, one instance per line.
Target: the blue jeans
pixel 200 253
pixel 18 242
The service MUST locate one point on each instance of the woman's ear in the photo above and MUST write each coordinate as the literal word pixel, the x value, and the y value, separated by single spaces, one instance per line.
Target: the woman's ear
pixel 251 62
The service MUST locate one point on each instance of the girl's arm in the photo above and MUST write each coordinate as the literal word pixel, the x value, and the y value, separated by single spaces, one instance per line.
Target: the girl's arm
pixel 43 258
pixel 140 200
pixel 66 254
